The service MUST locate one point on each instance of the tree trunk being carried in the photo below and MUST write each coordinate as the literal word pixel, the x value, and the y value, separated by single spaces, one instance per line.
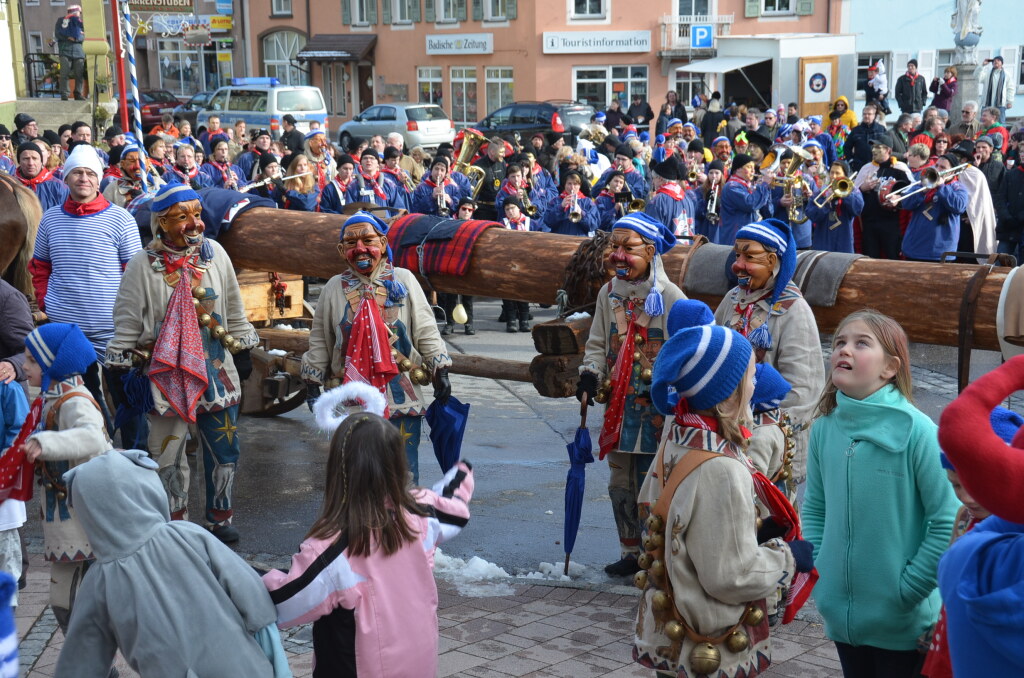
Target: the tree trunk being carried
pixel 925 298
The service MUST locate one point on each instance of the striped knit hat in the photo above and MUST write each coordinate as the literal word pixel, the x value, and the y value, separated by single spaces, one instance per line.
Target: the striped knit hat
pixel 170 195
pixel 61 351
pixel 704 365
pixel 770 388
pixel 687 313
pixel 778 236
pixel 664 240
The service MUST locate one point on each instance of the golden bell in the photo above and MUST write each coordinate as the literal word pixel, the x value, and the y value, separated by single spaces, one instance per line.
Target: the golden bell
pixel 655 524
pixel 637 356
pixel 61 495
pixel 647 374
pixel 660 601
pixel 705 658
pixel 737 642
pixel 199 292
pixel 227 340
pixel 657 541
pixel 405 364
pixel 235 347
pixel 205 319
pixel 754 616
pixel 638 339
pixel 417 375
pixel 394 353
pixel 606 384
pixel 758 523
pixel 459 314
pixel 675 631
pixel 644 560
pixel 197 303
pixel 657 569
pixel 218 331
pixel 602 397
pixel 640 580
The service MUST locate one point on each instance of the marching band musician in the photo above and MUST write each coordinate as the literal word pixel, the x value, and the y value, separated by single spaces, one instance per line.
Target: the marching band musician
pixel 220 170
pixel 184 170
pixel 437 193
pixel 516 186
pixel 300 190
pixel 559 214
pixel 334 197
pixel 493 165
pixel 832 224
pixel 935 216
pixel 394 172
pixel 705 220
pixel 544 186
pixel 320 158
pixel 783 199
pixel 608 209
pixel 721 148
pixel 371 186
pixel 742 198
pixel 669 205
pixel 515 312
pixel 880 230
pixel 460 179
pixel 624 155
pixel 269 179
pixel 817 167
pixel 259 147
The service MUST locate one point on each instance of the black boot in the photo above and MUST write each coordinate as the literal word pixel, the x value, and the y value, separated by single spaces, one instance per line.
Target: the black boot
pixel 447 329
pixel 524 325
pixel 626 567
pixel 510 327
pixel 470 329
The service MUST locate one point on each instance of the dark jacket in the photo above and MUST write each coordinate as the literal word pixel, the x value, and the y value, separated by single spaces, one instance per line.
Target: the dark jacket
pixel 293 140
pixel 858 144
pixel 641 110
pixel 1009 204
pixel 994 172
pixel 679 111
pixel 15 324
pixel 911 95
pixel 709 127
pixel 615 119
pixel 944 92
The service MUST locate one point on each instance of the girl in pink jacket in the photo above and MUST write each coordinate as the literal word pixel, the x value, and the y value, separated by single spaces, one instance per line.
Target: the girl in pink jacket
pixel 364 574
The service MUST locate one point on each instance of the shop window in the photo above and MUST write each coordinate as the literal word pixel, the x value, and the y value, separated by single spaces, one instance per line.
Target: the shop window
pixel 598 86
pixel 429 85
pixel 463 83
pixel 588 9
pixel 281 7
pixel 179 67
pixel 279 50
pixel 687 87
pixel 769 7
pixel 499 87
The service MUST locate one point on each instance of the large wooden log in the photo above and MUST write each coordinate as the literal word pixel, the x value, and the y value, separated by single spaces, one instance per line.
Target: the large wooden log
pixel 924 298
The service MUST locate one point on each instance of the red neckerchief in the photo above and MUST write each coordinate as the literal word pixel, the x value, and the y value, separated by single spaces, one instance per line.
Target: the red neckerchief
pixel 605 193
pixel 184 173
pixel 377 190
pixel 342 186
pixel 741 180
pixel 510 189
pixel 674 191
pixel 517 224
pixel 397 174
pixel 686 418
pixel 430 182
pixel 629 168
pixel 225 171
pixel 368 356
pixel 321 173
pixel 913 78
pixel 44 175
pixel 84 209
pixel 579 196
pixel 746 312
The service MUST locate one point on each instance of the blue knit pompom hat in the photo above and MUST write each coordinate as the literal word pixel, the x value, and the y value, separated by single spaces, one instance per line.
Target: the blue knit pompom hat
pixel 396 290
pixel 1005 424
pixel 778 236
pixel 770 388
pixel 687 313
pixel 61 351
pixel 703 364
pixel 664 240
pixel 171 194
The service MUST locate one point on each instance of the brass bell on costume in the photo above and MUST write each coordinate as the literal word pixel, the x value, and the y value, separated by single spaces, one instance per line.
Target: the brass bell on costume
pixel 205 319
pixel 235 347
pixel 644 560
pixel 675 631
pixel 640 580
pixel 647 374
pixel 754 616
pixel 737 642
pixel 62 495
pixel 218 331
pixel 199 292
pixel 637 356
pixel 601 397
pixel 705 658
pixel 606 384
pixel 660 601
pixel 638 339
pixel 405 364
pixel 657 541
pixel 226 341
pixel 655 524
pixel 197 302
pixel 418 376
pixel 657 569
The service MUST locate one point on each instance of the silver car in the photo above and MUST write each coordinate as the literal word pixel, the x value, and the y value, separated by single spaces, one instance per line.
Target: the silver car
pixel 424 125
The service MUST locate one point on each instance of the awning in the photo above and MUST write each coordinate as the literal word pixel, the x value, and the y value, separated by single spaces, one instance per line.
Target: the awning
pixel 337 48
pixel 723 64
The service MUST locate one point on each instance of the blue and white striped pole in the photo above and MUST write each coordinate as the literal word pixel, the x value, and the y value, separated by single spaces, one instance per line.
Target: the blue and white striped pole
pixel 133 79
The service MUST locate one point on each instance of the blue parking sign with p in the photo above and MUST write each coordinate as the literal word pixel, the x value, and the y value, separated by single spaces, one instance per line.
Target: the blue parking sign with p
pixel 701 36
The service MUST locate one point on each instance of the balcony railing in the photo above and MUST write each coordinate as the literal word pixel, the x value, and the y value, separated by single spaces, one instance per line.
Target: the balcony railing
pixel 675 29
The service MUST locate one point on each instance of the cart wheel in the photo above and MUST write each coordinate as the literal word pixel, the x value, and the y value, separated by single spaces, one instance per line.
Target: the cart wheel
pixel 270 390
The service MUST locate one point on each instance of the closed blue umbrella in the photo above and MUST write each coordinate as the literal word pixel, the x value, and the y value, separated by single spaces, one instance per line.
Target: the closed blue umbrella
pixel 580 454
pixel 447 427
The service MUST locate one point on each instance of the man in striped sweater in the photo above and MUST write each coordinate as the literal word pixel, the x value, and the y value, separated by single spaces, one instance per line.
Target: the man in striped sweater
pixel 80 253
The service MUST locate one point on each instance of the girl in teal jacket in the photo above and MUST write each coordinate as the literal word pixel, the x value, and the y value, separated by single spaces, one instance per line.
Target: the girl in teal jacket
pixel 878 508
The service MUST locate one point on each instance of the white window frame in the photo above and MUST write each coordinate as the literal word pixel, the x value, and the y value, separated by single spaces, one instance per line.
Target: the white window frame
pixel 360 11
pixel 874 57
pixel 445 12
pixel 461 75
pixel 435 76
pixel 167 47
pixel 943 59
pixel 280 7
pixel 283 62
pixel 499 76
pixel 397 9
pixel 334 89
pixel 31 3
pixel 490 12
pixel 711 11
pixel 38 36
pixel 55 3
pixel 609 81
pixel 790 11
pixel 686 85
pixel 602 12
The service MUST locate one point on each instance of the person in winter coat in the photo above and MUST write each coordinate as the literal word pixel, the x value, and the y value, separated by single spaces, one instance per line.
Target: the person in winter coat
pixel 741 200
pixel 911 89
pixel 944 89
pixel 846 114
pixel 1009 204
pixel 32 174
pixel 640 112
pixel 996 87
pixel 712 120
pixel 70 34
pixel 199 597
pixel 857 149
pixel 832 229
pixel 668 205
pixel 672 108
pixel 935 217
pixel 878 508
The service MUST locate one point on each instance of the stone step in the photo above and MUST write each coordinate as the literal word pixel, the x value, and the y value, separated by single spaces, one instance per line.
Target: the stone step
pixel 51 113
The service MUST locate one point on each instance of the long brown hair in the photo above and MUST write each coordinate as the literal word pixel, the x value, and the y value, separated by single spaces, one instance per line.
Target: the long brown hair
pixel 300 184
pixel 367 493
pixel 894 343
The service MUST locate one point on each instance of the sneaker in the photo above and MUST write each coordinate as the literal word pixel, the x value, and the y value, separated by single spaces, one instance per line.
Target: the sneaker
pixel 448 329
pixel 229 535
pixel 510 327
pixel 626 567
pixel 63 97
pixel 470 329
pixel 524 325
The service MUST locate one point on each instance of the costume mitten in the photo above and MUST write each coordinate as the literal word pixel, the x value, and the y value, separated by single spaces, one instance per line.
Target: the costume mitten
pixel 587 385
pixel 312 394
pixel 243 364
pixel 803 553
pixel 442 386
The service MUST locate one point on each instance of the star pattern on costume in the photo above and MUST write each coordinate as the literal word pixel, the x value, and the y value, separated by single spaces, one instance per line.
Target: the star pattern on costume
pixel 406 435
pixel 226 429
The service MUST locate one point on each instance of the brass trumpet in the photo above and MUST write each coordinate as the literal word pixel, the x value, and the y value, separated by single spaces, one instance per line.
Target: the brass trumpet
pixel 575 213
pixel 711 207
pixel 629 202
pixel 442 205
pixel 838 189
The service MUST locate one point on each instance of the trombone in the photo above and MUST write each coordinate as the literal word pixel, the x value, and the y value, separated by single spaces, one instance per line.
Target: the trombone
pixel 838 189
pixel 930 178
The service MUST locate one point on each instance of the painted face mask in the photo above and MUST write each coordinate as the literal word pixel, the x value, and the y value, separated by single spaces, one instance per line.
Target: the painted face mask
pixel 182 225
pixel 362 247
pixel 131 166
pixel 630 256
pixel 754 265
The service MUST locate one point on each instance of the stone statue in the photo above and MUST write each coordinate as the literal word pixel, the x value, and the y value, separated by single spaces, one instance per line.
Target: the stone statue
pixel 966 30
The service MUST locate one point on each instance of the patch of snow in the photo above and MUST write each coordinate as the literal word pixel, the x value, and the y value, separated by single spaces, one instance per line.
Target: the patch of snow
pixel 476 578
pixel 556 572
pixel 577 316
pixel 278 352
pixel 549 513
pixel 283 326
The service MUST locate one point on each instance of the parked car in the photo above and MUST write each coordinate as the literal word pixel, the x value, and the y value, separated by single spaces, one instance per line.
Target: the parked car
pixel 529 117
pixel 190 109
pixel 424 125
pixel 262 103
pixel 156 102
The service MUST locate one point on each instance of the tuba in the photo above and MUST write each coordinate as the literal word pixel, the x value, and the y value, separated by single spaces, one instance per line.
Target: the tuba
pixel 471 143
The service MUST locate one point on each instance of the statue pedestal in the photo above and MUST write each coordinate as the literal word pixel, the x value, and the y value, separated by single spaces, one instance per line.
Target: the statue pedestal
pixel 967 90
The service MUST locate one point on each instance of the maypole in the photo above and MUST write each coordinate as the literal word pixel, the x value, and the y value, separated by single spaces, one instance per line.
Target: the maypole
pixel 129 40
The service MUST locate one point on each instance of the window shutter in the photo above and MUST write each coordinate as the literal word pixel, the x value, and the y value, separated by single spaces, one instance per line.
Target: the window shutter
pixel 371 11
pixel 414 10
pixel 753 8
pixel 460 10
pixel 478 10
pixel 385 10
pixel 511 9
pixel 804 7
pixel 428 8
pixel 1011 62
pixel 926 64
pixel 346 12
